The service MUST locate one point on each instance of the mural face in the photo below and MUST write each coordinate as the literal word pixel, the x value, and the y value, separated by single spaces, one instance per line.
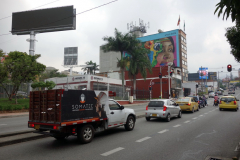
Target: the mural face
pixel 163 48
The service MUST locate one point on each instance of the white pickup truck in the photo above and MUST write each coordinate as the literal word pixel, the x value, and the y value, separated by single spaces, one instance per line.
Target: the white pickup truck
pixel 61 113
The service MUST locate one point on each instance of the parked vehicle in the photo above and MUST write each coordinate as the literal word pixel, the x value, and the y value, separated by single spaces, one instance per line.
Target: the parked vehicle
pixel 62 113
pixel 163 108
pixel 228 102
pixel 188 104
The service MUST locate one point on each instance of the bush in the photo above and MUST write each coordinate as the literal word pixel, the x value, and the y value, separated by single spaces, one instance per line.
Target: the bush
pixel 6 105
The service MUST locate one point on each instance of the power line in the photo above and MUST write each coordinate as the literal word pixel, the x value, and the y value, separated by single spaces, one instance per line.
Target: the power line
pixel 33 8
pixel 71 16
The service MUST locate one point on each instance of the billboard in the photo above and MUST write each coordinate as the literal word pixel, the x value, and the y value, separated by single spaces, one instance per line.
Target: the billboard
pixel 203 73
pixel 44 20
pixel 71 56
pixel 163 48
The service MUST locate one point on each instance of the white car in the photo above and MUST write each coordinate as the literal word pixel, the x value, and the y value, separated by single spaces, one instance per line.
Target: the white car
pixel 211 95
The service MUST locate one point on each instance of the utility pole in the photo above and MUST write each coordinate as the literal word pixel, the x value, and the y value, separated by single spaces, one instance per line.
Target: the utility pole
pixel 202 79
pixel 218 80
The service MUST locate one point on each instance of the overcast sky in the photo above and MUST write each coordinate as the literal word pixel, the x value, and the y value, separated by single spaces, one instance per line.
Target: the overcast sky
pixel 206 43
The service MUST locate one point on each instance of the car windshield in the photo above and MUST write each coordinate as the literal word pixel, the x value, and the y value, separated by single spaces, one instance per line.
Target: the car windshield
pixel 183 100
pixel 227 99
pixel 156 104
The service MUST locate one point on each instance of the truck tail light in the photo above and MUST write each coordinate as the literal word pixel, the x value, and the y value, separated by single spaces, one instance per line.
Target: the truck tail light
pixel 146 108
pixel 73 130
pixel 31 125
pixel 164 108
pixel 54 127
pixel 235 102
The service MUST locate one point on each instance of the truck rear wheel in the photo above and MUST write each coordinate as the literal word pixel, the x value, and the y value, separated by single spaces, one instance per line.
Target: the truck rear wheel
pixel 130 123
pixel 85 134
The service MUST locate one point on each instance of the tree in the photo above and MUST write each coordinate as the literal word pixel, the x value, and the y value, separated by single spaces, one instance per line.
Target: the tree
pixel 19 67
pixel 232 7
pixel 89 70
pixel 139 62
pixel 50 74
pixel 95 68
pixel 120 43
pixel 48 84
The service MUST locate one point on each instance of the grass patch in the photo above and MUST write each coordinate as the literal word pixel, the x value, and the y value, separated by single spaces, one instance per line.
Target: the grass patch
pixel 6 105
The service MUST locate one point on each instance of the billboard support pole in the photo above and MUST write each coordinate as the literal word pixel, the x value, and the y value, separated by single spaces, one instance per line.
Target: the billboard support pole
pixel 31 52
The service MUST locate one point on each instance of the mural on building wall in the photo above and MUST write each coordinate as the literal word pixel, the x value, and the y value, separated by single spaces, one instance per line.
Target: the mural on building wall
pixel 163 48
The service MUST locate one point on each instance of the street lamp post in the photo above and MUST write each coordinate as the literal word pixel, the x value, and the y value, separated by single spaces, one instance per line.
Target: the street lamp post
pixel 169 65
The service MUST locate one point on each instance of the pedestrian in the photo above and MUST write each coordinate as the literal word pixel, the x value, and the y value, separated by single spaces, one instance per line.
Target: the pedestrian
pixel 205 99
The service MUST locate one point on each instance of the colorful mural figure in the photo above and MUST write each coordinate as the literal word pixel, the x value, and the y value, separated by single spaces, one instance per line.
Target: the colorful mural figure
pixel 162 51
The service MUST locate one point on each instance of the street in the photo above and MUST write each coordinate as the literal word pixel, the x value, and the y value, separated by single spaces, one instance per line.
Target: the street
pixel 208 132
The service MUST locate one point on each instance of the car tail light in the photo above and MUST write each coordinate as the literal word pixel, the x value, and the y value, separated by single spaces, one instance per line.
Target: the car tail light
pixel 54 127
pixel 189 104
pixel 198 102
pixel 146 108
pixel 164 108
pixel 235 102
pixel 220 102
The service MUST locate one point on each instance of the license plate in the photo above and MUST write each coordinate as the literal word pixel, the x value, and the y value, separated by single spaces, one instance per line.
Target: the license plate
pixel 227 102
pixel 154 115
pixel 37 126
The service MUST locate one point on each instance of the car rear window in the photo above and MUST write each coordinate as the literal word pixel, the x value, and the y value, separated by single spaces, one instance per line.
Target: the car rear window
pixel 227 99
pixel 183 100
pixel 156 104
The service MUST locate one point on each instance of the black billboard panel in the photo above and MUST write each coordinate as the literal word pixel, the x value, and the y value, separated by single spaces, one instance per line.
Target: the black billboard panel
pixel 44 20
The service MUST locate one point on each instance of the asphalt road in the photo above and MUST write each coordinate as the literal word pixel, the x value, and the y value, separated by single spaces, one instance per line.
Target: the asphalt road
pixel 208 132
pixel 16 124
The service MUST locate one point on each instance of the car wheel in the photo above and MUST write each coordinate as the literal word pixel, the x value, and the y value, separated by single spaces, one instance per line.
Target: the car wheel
pixel 198 109
pixel 193 110
pixel 85 134
pixel 236 109
pixel 180 114
pixel 168 118
pixel 147 118
pixel 130 123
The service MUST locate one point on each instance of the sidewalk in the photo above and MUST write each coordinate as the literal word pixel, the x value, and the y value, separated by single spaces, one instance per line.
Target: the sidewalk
pixel 16 114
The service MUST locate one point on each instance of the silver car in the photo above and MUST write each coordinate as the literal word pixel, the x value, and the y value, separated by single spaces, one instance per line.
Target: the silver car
pixel 162 108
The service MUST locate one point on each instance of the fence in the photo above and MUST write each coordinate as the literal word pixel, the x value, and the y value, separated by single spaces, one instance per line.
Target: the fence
pixel 3 94
pixel 142 94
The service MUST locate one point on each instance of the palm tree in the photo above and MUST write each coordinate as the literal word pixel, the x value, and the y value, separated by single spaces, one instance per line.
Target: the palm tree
pixel 139 62
pixel 95 68
pixel 89 70
pixel 120 43
pixel 232 8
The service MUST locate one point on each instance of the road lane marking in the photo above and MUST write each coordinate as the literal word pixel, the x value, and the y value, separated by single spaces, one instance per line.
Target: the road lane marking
pixel 205 113
pixel 186 121
pixel 112 151
pixel 143 139
pixel 200 115
pixel 178 125
pixel 2 124
pixel 195 118
pixel 163 131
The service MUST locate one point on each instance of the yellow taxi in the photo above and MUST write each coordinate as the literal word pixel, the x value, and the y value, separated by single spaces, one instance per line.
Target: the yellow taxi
pixel 187 104
pixel 228 102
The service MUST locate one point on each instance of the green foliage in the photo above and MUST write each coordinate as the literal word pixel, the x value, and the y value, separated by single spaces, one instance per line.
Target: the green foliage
pixel 233 37
pixel 48 84
pixel 50 74
pixel 232 7
pixel 6 105
pixel 91 70
pixel 18 68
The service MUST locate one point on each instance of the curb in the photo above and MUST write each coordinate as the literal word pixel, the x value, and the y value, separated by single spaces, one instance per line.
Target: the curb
pixel 16 115
pixel 15 133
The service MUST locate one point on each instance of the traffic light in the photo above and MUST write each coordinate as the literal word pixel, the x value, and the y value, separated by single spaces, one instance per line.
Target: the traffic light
pixel 160 75
pixel 229 68
pixel 150 87
pixel 196 85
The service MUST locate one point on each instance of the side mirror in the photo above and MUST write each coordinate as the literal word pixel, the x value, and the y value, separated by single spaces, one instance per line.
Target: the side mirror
pixel 121 107
pixel 237 99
